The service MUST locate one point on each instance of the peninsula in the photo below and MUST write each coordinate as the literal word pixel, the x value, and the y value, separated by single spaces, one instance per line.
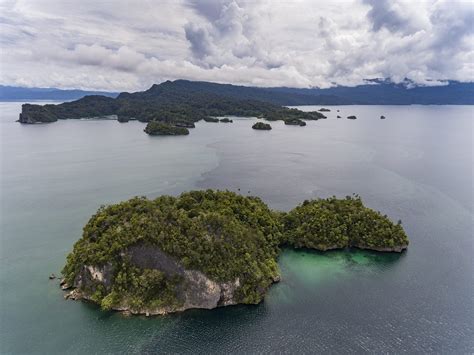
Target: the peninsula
pixel 175 103
pixel 207 249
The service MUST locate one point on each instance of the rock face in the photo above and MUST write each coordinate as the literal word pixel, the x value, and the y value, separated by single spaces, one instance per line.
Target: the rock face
pixel 32 114
pixel 196 290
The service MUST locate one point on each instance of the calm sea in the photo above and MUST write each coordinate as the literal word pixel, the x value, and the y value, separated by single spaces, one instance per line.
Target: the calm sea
pixel 417 166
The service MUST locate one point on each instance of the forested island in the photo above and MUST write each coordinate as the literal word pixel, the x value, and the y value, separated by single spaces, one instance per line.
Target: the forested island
pixel 262 126
pixel 207 249
pixel 177 103
pixel 154 128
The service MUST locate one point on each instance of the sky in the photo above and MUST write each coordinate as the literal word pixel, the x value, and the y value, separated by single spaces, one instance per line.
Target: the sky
pixel 123 45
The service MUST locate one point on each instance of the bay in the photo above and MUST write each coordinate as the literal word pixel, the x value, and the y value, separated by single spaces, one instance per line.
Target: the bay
pixel 416 165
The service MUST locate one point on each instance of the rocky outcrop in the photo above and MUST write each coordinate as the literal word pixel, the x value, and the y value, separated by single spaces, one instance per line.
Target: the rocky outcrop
pixel 196 290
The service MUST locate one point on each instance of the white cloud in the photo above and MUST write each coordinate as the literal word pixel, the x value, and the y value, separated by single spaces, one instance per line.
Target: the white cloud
pixel 117 45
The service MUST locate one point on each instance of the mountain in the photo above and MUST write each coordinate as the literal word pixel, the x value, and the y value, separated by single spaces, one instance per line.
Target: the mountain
pixel 374 92
pixel 13 93
pixel 384 92
pixel 277 96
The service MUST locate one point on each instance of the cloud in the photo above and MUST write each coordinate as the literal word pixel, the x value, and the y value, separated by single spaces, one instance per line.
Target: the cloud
pixel 117 46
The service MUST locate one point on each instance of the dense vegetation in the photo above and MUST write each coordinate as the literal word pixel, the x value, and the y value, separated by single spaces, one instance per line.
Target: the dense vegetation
pixel 224 235
pixel 339 223
pixel 262 126
pixel 154 128
pixel 169 102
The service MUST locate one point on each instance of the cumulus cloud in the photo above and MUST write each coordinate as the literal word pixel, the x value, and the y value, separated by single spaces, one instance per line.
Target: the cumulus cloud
pixel 120 46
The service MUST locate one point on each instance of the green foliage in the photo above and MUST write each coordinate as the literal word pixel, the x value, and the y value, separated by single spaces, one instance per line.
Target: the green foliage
pixel 338 223
pixel 222 234
pixel 262 126
pixel 154 128
pixel 211 119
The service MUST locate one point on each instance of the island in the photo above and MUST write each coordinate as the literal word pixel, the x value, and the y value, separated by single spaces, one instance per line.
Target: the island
pixel 225 120
pixel 351 117
pixel 208 249
pixel 177 103
pixel 295 122
pixel 324 110
pixel 262 126
pixel 211 119
pixel 123 119
pixel 154 128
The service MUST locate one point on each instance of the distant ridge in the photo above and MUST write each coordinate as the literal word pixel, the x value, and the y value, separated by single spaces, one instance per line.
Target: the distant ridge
pixel 14 93
pixel 374 92
pixel 384 92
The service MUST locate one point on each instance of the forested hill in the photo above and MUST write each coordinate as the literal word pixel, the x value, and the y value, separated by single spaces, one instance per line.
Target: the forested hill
pixel 14 93
pixel 384 92
pixel 375 92
pixel 278 96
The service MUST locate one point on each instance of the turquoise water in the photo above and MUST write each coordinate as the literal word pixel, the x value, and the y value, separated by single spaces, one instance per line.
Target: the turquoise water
pixel 416 166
